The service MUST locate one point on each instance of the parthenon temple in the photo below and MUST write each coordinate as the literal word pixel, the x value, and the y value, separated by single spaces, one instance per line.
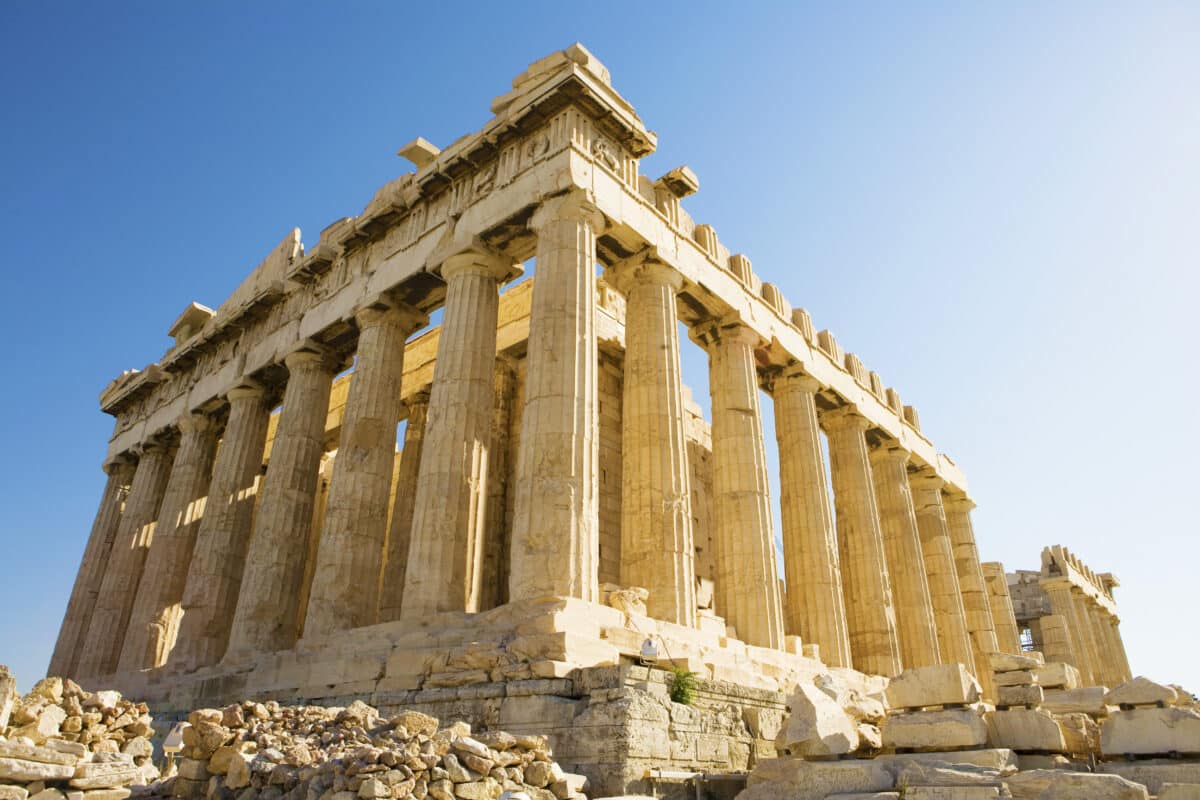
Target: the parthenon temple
pixel 555 504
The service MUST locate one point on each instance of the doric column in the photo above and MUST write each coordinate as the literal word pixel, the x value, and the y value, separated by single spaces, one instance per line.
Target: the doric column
pixel 555 537
pixel 1062 603
pixel 102 645
pixel 1118 648
pixel 970 582
pixel 815 608
pixel 915 625
pixel 214 578
pixel 265 618
pixel 1107 674
pixel 657 549
pixel 1008 638
pixel 78 616
pixel 747 582
pixel 870 614
pixel 1056 639
pixel 448 516
pixel 154 620
pixel 400 530
pixel 496 540
pixel 346 579
pixel 954 642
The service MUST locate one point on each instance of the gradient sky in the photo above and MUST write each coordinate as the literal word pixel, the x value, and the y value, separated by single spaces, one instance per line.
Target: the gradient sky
pixel 996 206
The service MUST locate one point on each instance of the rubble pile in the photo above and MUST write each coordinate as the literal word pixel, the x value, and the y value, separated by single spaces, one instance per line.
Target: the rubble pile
pixel 265 751
pixel 60 742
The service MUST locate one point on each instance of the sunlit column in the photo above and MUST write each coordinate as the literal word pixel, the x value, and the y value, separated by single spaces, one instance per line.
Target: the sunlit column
pixel 106 634
pixel 915 624
pixel 555 537
pixel 449 513
pixel 154 621
pixel 78 616
pixel 265 619
pixel 814 609
pixel 870 614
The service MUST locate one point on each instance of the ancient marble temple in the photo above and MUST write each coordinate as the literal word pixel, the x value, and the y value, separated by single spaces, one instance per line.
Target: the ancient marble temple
pixel 556 498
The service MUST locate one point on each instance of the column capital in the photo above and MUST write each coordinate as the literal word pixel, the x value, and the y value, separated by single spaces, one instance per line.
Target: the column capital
pixel 926 479
pixel 196 422
pixel 889 452
pixel 310 357
pixel 643 267
pixel 844 417
pixel 122 464
pixel 416 399
pixel 729 328
pixel 384 311
pixel 479 260
pixel 576 204
pixel 958 502
pixel 247 389
pixel 158 444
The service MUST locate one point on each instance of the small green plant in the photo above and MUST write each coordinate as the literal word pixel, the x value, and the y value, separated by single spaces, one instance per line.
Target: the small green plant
pixel 683 686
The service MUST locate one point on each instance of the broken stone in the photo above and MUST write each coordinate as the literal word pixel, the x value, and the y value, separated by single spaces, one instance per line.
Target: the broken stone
pixel 1009 662
pixel 1141 691
pixel 1057 675
pixel 1148 731
pixel 941 684
pixel 1019 695
pixel 816 725
pixel 935 730
pixel 795 779
pixel 1024 729
pixel 1064 785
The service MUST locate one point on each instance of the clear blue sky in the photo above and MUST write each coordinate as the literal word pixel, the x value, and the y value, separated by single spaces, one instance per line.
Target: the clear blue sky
pixel 997 206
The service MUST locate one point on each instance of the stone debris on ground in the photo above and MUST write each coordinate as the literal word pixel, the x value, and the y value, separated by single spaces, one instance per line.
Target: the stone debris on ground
pixel 265 751
pixel 61 742
pixel 942 741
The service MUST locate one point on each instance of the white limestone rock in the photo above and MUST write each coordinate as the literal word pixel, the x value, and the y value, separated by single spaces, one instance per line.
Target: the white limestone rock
pixel 1154 773
pixel 1057 675
pixel 935 730
pixel 1025 729
pixel 1088 700
pixel 1141 691
pixel 10 792
pixel 816 725
pixel 1149 731
pixel 1007 662
pixel 1179 791
pixel 940 684
pixel 23 771
pixel 795 779
pixel 1056 784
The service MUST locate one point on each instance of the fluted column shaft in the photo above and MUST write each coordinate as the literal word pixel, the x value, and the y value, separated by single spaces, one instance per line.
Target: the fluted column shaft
pixel 1008 638
pixel 210 594
pixel 1056 639
pixel 102 645
pixel 1108 673
pixel 448 518
pixel 657 549
pixel 496 540
pixel 400 530
pixel 915 624
pixel 870 613
pixel 954 642
pixel 265 618
pixel 815 609
pixel 78 616
pixel 1062 603
pixel 747 582
pixel 978 609
pixel 1118 649
pixel 346 579
pixel 154 621
pixel 555 538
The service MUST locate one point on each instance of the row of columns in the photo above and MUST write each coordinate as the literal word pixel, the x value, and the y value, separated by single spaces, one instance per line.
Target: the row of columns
pixel 1089 638
pixel 234 571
